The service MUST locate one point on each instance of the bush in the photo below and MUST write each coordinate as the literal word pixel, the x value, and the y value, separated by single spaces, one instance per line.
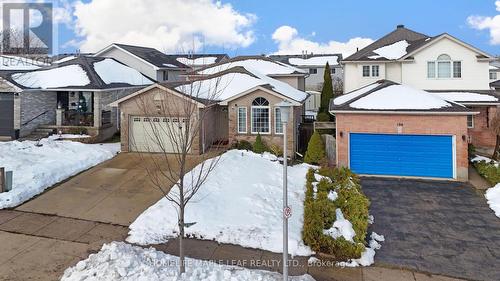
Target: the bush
pixel 488 171
pixel 259 146
pixel 315 153
pixel 319 213
pixel 471 149
pixel 323 117
pixel 276 150
pixel 243 145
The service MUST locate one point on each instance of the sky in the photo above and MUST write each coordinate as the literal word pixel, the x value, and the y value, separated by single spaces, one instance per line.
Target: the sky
pixel 268 26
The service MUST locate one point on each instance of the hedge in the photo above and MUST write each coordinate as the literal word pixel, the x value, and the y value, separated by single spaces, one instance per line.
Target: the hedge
pixel 488 171
pixel 319 213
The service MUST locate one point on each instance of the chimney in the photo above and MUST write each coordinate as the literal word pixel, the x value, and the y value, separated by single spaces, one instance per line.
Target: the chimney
pixel 400 26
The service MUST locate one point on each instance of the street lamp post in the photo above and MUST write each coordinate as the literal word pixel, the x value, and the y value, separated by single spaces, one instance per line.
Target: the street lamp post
pixel 284 107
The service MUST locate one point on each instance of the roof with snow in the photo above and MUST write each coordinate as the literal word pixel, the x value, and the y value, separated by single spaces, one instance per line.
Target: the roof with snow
pixel 152 56
pixel 230 83
pixel 259 64
pixel 388 96
pixel 200 59
pixel 486 97
pixel 495 84
pixel 309 59
pixel 82 72
pixel 397 44
pixel 13 63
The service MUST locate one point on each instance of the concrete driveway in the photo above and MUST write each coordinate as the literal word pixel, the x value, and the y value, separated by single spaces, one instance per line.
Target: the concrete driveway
pixel 437 227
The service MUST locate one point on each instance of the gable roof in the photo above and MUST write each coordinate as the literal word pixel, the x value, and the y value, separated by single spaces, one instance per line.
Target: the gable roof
pixel 150 55
pixel 401 44
pixel 308 59
pixel 385 96
pixel 83 72
pixel 260 64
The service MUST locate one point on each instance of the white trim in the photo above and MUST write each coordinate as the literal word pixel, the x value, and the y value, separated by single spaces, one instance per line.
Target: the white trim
pixel 251 120
pixel 275 123
pixel 120 48
pixel 471 116
pixel 403 112
pixel 294 102
pixel 454 155
pixel 238 120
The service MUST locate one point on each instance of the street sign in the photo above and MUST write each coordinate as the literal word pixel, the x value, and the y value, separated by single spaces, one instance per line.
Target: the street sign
pixel 287 212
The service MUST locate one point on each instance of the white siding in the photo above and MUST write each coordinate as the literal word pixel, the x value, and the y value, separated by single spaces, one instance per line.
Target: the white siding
pixel 353 75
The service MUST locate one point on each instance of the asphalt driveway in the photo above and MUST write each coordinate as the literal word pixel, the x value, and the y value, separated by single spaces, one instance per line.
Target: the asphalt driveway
pixel 437 227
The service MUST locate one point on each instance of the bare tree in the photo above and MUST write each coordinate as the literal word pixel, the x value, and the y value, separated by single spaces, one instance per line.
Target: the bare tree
pixel 338 86
pixel 177 124
pixel 495 128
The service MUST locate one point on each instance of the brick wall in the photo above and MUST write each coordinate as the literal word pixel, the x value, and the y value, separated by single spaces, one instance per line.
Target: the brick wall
pixel 34 103
pixel 412 124
pixel 482 135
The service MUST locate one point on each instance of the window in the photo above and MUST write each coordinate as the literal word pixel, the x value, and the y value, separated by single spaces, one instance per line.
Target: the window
pixel 493 76
pixel 242 120
pixel 375 70
pixel 366 71
pixel 260 116
pixel 470 121
pixel 333 70
pixel 313 70
pixel 278 125
pixel 444 67
pixel 165 75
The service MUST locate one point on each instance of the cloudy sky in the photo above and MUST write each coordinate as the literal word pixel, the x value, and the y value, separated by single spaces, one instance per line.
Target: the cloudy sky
pixel 269 26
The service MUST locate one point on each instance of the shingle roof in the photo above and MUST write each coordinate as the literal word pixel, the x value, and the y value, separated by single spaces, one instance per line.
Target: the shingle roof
pixel 415 40
pixel 495 84
pixel 378 87
pixel 286 58
pixel 218 57
pixel 153 56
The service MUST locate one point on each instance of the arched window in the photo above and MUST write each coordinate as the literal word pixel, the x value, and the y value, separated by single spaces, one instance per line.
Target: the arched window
pixel 260 119
pixel 444 67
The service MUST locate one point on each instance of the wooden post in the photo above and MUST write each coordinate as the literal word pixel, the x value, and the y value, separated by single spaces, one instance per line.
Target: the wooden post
pixel 2 180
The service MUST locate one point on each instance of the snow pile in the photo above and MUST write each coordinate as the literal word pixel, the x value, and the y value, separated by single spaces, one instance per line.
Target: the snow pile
pixel 400 97
pixel 493 197
pixel 197 61
pixel 332 195
pixel 70 75
pixel 112 71
pixel 263 66
pixel 170 65
pixel 354 94
pixel 121 261
pixel 240 203
pixel 479 158
pixel 392 52
pixel 341 228
pixel 465 96
pixel 368 256
pixel 36 168
pixel 315 61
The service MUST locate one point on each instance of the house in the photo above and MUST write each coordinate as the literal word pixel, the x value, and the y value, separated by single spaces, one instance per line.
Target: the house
pixel 154 64
pixel 439 63
pixel 197 61
pixel 494 73
pixel 72 95
pixel 237 103
pixel 389 129
pixel 291 75
pixel 314 65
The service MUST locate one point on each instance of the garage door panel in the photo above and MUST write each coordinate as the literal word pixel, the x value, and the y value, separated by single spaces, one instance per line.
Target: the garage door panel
pixel 402 155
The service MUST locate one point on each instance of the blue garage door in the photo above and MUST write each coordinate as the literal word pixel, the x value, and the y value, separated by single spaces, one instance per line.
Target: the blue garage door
pixel 402 155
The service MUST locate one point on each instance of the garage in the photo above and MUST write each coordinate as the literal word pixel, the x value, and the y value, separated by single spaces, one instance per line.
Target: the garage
pixel 155 134
pixel 402 155
pixel 7 114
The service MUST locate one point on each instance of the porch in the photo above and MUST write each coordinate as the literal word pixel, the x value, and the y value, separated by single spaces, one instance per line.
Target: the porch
pixel 81 109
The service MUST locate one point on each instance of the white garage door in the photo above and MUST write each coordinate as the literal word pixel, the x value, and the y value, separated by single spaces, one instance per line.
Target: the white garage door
pixel 156 134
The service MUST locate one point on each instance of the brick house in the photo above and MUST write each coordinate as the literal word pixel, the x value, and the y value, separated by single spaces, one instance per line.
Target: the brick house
pixel 390 129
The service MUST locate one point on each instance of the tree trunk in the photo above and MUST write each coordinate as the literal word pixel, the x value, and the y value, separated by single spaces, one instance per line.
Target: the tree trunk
pixel 497 147
pixel 182 264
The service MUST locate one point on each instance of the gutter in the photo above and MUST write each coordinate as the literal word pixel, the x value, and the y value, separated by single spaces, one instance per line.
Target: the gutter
pixel 405 112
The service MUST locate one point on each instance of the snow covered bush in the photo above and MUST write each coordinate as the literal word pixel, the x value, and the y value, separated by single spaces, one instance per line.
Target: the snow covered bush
pixel 315 153
pixel 335 213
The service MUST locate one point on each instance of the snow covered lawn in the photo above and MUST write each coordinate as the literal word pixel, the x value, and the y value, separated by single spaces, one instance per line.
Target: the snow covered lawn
pixel 37 168
pixel 493 197
pixel 121 261
pixel 240 203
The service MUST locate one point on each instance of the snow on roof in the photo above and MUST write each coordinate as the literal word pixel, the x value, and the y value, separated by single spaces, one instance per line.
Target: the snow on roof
pixel 392 52
pixel 314 61
pixel 68 58
pixel 70 75
pixel 170 65
pixel 266 67
pixel 197 61
pixel 19 63
pixel 492 67
pixel 466 97
pixel 231 84
pixel 354 94
pixel 112 71
pixel 400 97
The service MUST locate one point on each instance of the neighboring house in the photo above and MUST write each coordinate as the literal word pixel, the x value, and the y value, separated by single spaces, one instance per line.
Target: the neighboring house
pixel 314 64
pixel 440 63
pixel 238 102
pixel 148 61
pixel 291 75
pixel 197 61
pixel 389 129
pixel 494 73
pixel 73 94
